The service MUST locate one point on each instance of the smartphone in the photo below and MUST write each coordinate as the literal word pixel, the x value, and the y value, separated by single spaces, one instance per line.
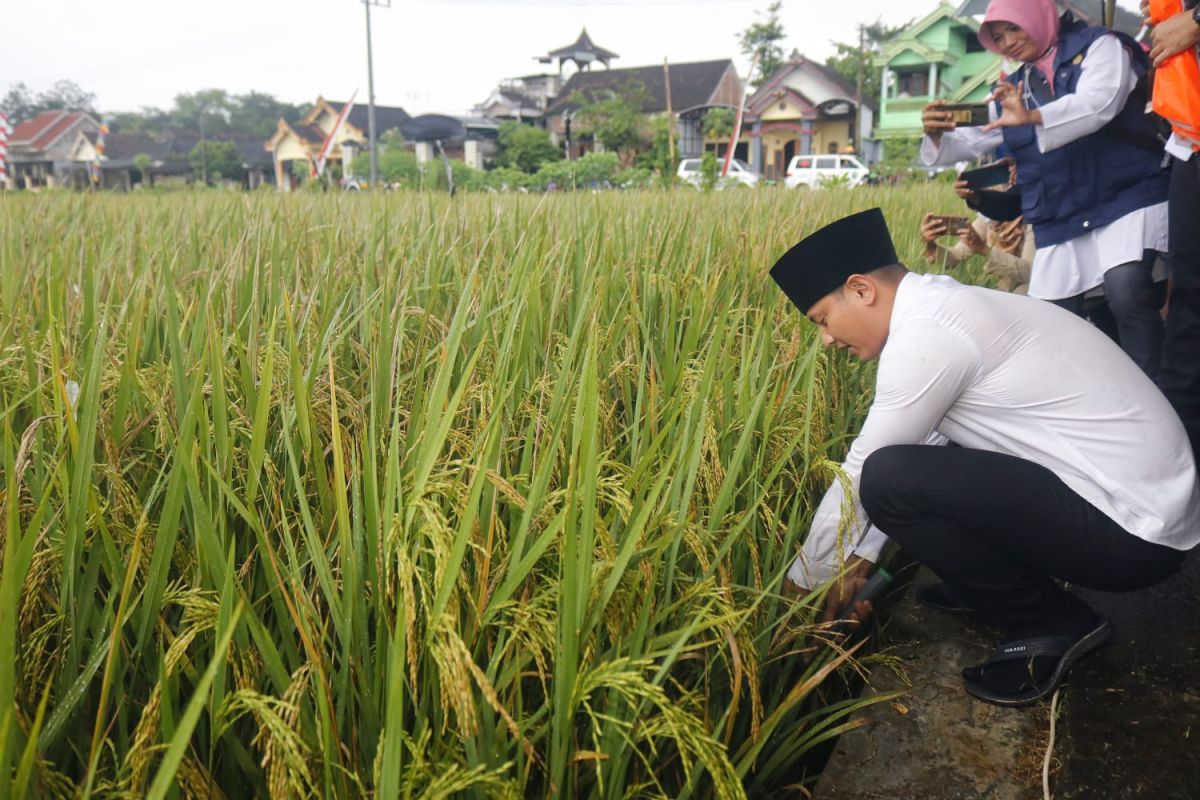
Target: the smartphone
pixel 984 177
pixel 967 115
pixel 954 225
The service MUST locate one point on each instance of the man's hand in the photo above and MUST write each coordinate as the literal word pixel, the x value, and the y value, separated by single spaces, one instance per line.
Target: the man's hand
pixel 1012 108
pixel 843 589
pixel 1010 236
pixel 936 121
pixel 1173 36
pixel 931 228
pixel 963 191
pixel 970 237
pixel 840 593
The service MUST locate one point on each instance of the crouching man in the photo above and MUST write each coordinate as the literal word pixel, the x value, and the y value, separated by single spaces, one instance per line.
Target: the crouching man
pixel 1069 466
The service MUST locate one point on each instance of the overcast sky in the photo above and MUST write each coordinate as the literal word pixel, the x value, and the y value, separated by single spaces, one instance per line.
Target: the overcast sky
pixel 430 55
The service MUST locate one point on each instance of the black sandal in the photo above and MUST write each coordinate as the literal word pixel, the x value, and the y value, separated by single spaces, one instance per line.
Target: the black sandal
pixel 1067 649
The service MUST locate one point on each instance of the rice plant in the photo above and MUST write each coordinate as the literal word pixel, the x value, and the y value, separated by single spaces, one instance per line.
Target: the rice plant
pixel 405 496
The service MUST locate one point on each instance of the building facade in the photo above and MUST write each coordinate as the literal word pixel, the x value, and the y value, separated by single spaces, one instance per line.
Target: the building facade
pixel 302 141
pixel 686 91
pixel 40 149
pixel 938 56
pixel 804 108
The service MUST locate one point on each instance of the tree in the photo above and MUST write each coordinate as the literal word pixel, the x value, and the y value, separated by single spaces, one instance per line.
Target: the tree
pixel 395 166
pixel 143 161
pixel 147 120
pixel 849 57
pixel 223 160
pixel 255 113
pixel 718 123
pixel 616 120
pixel 21 104
pixel 258 113
pixel 67 94
pixel 17 105
pixel 208 110
pixel 658 156
pixel 710 170
pixel 525 147
pixel 763 39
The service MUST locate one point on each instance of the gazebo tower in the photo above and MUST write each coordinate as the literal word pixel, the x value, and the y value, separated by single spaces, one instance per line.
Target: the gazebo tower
pixel 583 53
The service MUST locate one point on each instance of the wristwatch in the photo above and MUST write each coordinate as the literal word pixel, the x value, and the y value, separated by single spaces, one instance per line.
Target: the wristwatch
pixel 1196 14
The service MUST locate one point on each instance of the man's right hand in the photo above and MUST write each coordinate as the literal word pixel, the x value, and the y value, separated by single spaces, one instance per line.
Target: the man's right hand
pixel 936 120
pixel 841 593
pixel 931 228
pixel 1010 236
pixel 1172 36
pixel 971 238
pixel 963 190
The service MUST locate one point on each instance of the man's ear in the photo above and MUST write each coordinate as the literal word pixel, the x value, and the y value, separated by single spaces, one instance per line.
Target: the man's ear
pixel 862 287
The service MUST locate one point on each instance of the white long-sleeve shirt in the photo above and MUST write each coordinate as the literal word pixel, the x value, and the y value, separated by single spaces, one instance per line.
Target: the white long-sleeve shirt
pixel 1001 372
pixel 1073 267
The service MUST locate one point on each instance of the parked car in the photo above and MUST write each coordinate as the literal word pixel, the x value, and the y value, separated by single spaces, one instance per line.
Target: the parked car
pixel 739 173
pixel 812 171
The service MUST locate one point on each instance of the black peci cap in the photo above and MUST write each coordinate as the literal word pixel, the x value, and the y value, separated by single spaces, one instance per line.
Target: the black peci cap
pixel 824 260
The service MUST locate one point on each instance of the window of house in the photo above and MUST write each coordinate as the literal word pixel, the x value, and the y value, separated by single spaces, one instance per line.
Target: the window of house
pixel 831 148
pixel 911 83
pixel 973 44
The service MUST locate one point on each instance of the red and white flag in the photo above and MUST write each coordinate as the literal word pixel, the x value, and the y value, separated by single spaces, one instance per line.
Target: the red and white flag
pixel 4 132
pixel 323 155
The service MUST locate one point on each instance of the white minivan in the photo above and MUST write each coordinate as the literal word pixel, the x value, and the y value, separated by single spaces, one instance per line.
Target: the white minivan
pixel 739 172
pixel 814 171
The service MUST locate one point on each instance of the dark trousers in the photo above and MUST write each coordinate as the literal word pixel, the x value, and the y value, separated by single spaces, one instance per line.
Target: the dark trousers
pixel 1132 316
pixel 1179 377
pixel 997 529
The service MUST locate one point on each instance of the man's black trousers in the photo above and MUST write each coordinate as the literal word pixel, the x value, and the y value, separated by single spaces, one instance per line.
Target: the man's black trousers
pixel 997 529
pixel 1179 376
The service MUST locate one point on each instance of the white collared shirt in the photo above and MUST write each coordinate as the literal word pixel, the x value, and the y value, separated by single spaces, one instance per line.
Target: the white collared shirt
pixel 1006 373
pixel 1078 265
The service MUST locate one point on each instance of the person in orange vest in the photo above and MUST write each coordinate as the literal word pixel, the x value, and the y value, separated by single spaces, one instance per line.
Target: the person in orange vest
pixel 1179 377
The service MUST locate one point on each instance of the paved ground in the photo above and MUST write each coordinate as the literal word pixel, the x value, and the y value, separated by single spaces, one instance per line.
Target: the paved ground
pixel 1131 721
pixel 935 742
pixel 1128 727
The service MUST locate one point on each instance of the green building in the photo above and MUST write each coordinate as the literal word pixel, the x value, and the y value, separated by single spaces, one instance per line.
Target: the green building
pixel 938 56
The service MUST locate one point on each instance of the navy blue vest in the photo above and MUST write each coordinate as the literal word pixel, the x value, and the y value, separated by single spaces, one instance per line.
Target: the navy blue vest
pixel 1090 182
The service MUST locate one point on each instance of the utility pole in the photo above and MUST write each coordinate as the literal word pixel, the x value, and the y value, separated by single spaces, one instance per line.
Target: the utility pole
pixel 670 121
pixel 858 84
pixel 203 148
pixel 371 92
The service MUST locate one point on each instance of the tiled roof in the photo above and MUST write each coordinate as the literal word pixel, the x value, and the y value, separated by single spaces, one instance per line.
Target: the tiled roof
pixel 583 44
pixel 44 130
pixel 386 117
pixel 691 85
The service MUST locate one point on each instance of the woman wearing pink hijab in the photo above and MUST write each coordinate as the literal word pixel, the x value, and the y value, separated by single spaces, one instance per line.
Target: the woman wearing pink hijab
pixel 1091 183
pixel 1089 162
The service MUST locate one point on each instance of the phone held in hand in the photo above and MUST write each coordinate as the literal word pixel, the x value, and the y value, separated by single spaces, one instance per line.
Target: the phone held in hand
pixel 954 225
pixel 967 115
pixel 984 177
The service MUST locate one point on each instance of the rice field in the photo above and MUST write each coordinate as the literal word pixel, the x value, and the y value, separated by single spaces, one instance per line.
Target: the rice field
pixel 406 496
